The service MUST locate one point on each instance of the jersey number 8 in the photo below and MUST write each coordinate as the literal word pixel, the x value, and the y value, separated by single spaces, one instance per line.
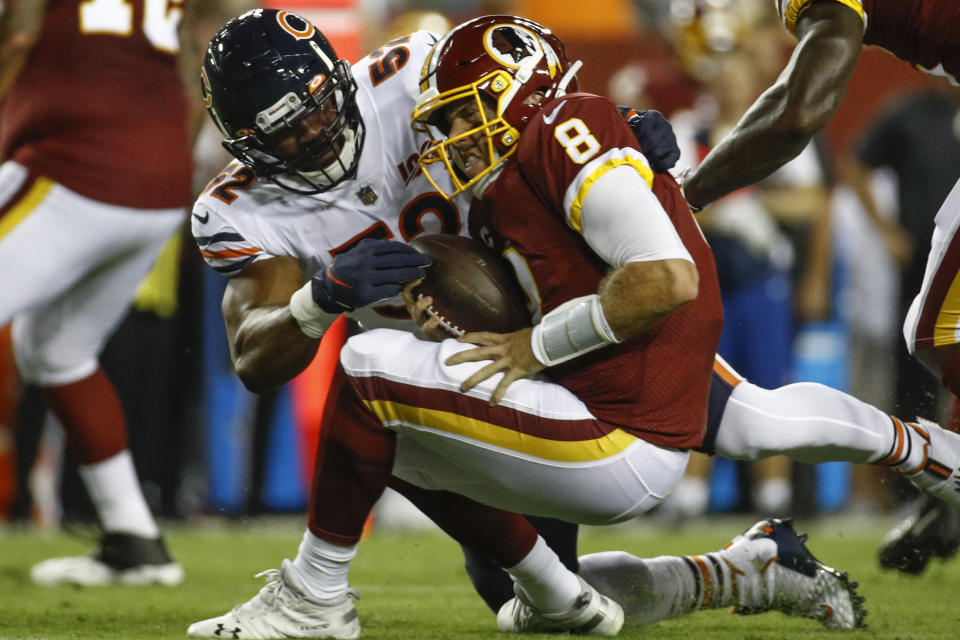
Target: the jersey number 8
pixel 576 138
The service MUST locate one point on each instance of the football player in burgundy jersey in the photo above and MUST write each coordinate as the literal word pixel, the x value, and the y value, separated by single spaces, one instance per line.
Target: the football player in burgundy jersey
pixel 607 254
pixel 96 178
pixel 258 232
pixel 802 101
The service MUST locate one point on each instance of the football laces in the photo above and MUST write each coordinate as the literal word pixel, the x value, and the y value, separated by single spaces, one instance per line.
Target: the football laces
pixel 446 324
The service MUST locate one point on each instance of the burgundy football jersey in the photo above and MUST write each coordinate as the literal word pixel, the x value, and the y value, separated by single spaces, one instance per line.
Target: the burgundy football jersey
pixel 655 385
pixel 99 106
pixel 925 33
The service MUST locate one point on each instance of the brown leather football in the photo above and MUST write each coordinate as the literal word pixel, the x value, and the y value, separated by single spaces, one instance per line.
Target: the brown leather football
pixel 473 288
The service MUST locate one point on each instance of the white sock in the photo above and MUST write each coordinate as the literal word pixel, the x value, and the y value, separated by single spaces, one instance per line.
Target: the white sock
pixel 648 589
pixel 654 589
pixel 115 492
pixel 544 581
pixel 323 568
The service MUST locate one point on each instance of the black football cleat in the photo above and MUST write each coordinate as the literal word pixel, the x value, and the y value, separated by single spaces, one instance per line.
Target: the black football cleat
pixel 932 529
pixel 121 558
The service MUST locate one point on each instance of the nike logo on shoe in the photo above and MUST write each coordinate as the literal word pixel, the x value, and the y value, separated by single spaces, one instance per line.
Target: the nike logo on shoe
pixel 202 220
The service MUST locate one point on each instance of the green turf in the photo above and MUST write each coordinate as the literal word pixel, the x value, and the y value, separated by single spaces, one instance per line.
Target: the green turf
pixel 412 585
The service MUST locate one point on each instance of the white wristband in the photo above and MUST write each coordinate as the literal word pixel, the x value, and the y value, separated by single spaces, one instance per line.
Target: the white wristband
pixel 574 328
pixel 313 320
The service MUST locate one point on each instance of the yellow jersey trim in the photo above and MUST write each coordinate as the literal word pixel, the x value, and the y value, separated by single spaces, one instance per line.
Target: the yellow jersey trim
pixel 576 207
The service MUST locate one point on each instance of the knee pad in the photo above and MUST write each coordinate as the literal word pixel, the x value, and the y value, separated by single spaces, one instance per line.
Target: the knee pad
pixel 43 362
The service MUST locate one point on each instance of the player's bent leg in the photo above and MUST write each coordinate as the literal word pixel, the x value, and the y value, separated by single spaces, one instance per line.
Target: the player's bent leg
pixel 56 344
pixel 540 451
pixel 767 568
pixel 283 609
pixel 934 315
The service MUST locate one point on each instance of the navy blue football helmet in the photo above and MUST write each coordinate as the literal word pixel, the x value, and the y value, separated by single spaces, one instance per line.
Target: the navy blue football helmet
pixel 285 103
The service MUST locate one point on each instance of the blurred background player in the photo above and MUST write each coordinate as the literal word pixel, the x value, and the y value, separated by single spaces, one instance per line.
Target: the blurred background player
pixel 95 180
pixel 916 138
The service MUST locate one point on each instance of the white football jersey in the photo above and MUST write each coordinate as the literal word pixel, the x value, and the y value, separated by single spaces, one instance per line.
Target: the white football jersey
pixel 239 218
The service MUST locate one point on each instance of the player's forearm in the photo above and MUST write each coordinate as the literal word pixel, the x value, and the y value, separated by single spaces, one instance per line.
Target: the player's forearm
pixel 786 116
pixel 760 144
pixel 269 349
pixel 638 295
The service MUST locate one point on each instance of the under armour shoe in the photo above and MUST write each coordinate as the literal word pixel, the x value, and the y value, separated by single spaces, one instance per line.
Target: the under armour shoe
pixel 592 614
pixel 932 529
pixel 121 558
pixel 780 574
pixel 283 609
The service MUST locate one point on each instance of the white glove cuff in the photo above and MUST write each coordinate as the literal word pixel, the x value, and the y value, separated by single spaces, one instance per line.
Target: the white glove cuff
pixel 574 328
pixel 313 320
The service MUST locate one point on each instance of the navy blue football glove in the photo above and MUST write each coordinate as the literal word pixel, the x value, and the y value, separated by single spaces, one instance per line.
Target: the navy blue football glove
pixel 655 136
pixel 371 271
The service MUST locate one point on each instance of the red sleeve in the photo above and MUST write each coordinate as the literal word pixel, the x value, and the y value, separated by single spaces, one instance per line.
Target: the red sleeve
pixel 572 142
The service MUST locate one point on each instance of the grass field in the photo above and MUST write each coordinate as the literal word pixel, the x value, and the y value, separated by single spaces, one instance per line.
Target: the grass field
pixel 412 585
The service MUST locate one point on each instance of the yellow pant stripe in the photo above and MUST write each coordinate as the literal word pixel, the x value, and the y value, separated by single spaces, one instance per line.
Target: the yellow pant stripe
pixel 22 209
pixel 557 450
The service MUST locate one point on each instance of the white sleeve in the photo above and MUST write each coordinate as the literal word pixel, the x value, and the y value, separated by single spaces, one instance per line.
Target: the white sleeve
pixel 624 222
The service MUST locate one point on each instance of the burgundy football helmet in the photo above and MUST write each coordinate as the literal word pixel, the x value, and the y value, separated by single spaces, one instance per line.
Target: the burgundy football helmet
pixel 499 60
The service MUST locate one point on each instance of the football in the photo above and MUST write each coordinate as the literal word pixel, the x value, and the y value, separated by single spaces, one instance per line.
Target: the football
pixel 473 288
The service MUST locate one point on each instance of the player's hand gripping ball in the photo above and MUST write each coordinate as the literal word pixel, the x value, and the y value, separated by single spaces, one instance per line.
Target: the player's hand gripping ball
pixel 473 289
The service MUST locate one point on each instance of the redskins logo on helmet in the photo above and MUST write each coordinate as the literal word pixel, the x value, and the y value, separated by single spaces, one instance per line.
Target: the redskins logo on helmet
pixel 511 64
pixel 511 44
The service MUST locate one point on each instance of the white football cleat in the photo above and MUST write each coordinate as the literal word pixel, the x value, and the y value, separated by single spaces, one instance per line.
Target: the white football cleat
pixel 939 473
pixel 121 558
pixel 283 609
pixel 592 614
pixel 778 573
